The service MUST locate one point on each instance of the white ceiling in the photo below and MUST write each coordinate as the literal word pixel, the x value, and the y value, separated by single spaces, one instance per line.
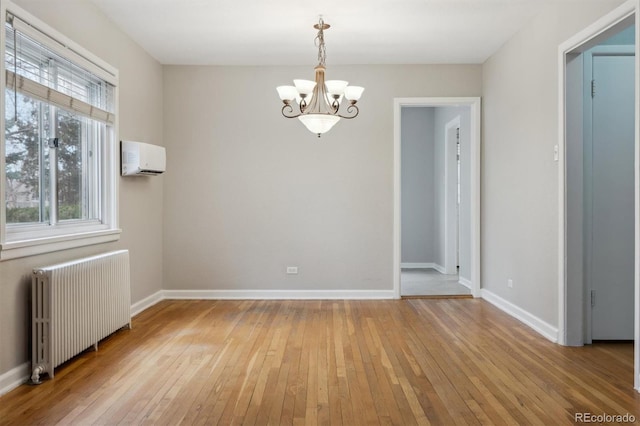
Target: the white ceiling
pixel 280 32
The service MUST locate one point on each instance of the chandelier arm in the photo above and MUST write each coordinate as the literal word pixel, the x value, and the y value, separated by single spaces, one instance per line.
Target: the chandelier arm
pixel 353 111
pixel 335 105
pixel 331 103
pixel 289 112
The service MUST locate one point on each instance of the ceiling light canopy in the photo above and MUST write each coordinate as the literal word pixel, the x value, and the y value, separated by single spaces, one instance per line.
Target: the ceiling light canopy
pixel 319 104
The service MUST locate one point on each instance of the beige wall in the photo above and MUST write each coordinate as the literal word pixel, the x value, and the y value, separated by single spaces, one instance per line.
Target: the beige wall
pixel 519 175
pixel 141 199
pixel 251 192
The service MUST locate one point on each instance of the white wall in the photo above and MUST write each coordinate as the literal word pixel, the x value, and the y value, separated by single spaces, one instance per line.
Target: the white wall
pixel 417 180
pixel 251 192
pixel 519 176
pixel 141 200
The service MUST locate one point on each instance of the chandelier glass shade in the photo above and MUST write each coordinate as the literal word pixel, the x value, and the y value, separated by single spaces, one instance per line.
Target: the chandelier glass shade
pixel 320 104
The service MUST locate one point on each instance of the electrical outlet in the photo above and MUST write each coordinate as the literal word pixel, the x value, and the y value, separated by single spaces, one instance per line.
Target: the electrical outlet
pixel 292 269
pixel 510 283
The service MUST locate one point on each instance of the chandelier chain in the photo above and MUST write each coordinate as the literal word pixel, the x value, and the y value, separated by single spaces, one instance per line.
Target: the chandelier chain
pixel 319 42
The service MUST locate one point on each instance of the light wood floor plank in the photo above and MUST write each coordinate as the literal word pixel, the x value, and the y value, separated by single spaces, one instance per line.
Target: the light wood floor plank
pixel 400 362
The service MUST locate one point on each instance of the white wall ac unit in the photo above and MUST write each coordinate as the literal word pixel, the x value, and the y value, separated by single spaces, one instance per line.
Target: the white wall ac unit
pixel 139 159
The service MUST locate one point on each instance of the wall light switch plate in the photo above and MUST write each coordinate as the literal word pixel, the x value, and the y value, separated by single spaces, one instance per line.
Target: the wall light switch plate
pixel 292 269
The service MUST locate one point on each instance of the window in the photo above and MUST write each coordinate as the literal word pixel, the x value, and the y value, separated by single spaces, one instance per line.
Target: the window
pixel 59 144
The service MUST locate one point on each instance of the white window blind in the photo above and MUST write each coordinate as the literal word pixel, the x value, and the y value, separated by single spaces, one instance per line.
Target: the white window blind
pixel 38 70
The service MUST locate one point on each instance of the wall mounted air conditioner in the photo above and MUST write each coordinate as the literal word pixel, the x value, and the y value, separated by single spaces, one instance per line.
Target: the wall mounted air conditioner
pixel 142 159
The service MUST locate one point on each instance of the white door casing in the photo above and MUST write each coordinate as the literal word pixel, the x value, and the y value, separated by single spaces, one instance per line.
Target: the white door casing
pixel 451 217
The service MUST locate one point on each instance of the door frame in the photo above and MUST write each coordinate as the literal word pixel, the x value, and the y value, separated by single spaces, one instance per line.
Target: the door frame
pixel 451 227
pixel 584 39
pixel 474 191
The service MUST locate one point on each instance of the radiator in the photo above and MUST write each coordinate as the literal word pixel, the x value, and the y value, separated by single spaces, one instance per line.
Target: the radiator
pixel 75 305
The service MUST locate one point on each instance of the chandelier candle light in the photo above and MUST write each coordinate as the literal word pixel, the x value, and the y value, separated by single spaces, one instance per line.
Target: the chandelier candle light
pixel 318 103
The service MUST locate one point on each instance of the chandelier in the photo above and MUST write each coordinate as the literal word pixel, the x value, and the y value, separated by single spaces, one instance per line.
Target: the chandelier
pixel 319 104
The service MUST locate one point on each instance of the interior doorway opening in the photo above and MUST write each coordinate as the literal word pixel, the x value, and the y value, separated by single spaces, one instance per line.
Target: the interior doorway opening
pixel 599 280
pixel 435 201
pixel 437 225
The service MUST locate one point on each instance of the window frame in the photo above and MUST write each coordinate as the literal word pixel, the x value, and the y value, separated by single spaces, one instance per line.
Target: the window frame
pixel 32 239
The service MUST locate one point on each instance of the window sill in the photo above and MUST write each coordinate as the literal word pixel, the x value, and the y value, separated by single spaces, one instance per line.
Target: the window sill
pixel 32 247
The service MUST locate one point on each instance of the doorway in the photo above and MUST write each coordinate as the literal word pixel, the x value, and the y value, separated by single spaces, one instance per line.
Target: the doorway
pixel 431 185
pixel 599 183
pixel 609 191
pixel 430 241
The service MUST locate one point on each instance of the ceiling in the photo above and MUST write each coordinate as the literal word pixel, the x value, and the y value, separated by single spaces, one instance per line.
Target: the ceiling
pixel 280 32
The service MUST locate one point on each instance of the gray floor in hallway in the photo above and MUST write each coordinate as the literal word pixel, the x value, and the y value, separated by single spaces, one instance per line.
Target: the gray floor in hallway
pixel 429 282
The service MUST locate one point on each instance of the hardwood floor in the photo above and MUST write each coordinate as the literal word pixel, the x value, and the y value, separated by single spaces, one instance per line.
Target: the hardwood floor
pixel 403 362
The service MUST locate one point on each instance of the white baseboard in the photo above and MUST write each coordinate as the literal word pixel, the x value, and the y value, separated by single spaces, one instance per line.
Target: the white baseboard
pixel 14 378
pixel 439 268
pixel 279 294
pixel 414 265
pixel 542 327
pixel 465 282
pixel 146 303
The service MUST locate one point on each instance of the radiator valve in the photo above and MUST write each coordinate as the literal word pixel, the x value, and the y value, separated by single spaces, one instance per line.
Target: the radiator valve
pixel 35 375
